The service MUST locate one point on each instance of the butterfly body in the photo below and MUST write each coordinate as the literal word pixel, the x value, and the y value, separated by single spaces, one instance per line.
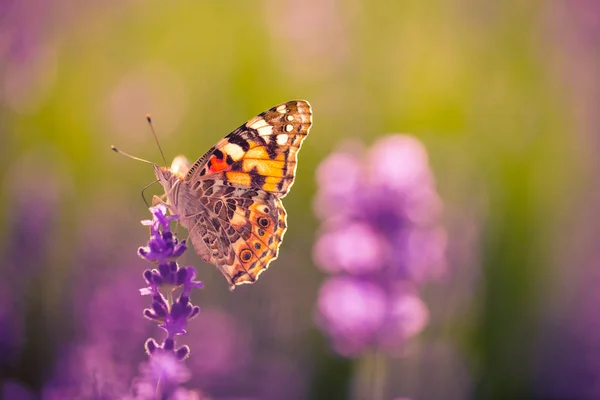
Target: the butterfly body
pixel 230 198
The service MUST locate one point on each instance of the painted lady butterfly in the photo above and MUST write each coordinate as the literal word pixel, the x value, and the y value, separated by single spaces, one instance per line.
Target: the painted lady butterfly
pixel 230 198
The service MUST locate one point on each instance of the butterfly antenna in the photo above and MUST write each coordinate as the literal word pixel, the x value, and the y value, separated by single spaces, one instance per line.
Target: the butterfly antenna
pixel 144 189
pixel 130 156
pixel 149 119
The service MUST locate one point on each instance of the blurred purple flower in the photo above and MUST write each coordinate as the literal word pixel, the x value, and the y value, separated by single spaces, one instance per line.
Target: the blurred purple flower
pixel 225 344
pixel 355 248
pixel 89 371
pixel 339 178
pixel 11 325
pixel 34 193
pixel 351 311
pixel 93 360
pixel 357 313
pixel 14 390
pixel 163 373
pixel 381 236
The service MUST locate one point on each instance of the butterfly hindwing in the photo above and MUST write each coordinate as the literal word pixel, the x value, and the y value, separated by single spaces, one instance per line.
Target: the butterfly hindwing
pixel 262 153
pixel 238 230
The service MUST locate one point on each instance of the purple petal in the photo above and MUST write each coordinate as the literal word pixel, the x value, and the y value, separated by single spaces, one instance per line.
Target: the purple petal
pixel 339 177
pixel 151 346
pixel 182 353
pixel 355 248
pixel 351 311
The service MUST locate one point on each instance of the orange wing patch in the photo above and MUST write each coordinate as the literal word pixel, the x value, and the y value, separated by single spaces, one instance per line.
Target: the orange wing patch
pixel 217 165
pixel 255 253
pixel 238 178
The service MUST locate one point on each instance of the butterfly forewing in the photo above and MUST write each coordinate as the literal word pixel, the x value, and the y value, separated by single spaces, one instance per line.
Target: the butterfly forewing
pixel 262 153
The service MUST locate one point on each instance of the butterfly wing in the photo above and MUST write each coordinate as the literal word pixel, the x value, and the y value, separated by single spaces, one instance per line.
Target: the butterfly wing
pixel 262 153
pixel 237 229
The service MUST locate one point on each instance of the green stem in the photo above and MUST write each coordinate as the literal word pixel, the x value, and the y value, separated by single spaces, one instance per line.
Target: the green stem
pixel 370 376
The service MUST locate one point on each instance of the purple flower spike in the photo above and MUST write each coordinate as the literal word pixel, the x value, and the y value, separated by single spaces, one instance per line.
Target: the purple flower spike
pixel 162 246
pixel 189 283
pixel 380 240
pixel 151 346
pixel 169 372
pixel 182 353
pixel 172 314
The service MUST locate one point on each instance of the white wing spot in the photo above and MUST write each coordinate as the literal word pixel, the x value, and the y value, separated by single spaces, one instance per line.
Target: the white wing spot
pixel 266 130
pixel 236 152
pixel 288 128
pixel 282 109
pixel 282 139
pixel 238 220
pixel 290 118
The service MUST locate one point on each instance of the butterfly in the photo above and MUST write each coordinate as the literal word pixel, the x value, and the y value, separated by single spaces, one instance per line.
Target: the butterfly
pixel 230 198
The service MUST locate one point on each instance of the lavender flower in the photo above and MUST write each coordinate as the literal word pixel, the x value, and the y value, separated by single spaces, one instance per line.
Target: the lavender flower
pixel 171 315
pixel 94 365
pixel 88 371
pixel 14 390
pixel 105 305
pixel 164 368
pixel 34 197
pixel 381 240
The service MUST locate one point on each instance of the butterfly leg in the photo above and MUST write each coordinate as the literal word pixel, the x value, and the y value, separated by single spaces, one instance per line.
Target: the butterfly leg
pixel 159 200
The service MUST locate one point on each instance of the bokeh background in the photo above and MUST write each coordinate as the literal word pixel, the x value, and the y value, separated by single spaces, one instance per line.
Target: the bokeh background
pixel 504 96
